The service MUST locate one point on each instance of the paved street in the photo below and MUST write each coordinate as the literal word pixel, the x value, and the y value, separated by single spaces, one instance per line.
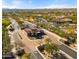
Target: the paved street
pixel 36 55
pixel 70 52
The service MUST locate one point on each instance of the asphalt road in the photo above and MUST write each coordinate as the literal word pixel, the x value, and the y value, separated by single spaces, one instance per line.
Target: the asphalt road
pixel 67 50
pixel 36 55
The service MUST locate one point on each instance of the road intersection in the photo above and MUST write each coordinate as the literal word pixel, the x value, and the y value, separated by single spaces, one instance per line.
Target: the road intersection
pixel 30 45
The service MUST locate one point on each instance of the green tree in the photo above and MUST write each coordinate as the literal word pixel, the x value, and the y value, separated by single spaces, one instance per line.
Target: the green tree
pixel 74 19
pixel 5 22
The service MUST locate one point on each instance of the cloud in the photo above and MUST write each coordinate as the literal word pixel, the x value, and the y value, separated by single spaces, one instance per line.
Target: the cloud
pixel 9 7
pixel 17 2
pixel 28 4
pixel 58 6
pixel 14 4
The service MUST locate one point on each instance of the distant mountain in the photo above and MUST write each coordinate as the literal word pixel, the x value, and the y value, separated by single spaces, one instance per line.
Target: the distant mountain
pixel 38 9
pixel 8 8
pixel 4 8
pixel 62 9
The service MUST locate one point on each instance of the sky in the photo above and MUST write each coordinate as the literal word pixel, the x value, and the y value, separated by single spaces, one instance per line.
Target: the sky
pixel 39 4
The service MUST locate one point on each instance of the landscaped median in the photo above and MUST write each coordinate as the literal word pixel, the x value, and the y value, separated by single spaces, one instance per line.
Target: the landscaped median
pixel 60 55
pixel 40 52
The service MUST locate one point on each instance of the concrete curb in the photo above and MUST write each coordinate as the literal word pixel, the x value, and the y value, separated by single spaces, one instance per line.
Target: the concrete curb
pixel 66 55
pixel 40 52
pixel 69 57
pixel 68 46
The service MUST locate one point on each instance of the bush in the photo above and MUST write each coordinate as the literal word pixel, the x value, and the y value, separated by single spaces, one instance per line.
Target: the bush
pixel 51 48
pixel 26 56
pixel 5 22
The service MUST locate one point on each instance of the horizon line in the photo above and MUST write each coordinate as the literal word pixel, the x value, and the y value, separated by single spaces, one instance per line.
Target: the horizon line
pixel 42 8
